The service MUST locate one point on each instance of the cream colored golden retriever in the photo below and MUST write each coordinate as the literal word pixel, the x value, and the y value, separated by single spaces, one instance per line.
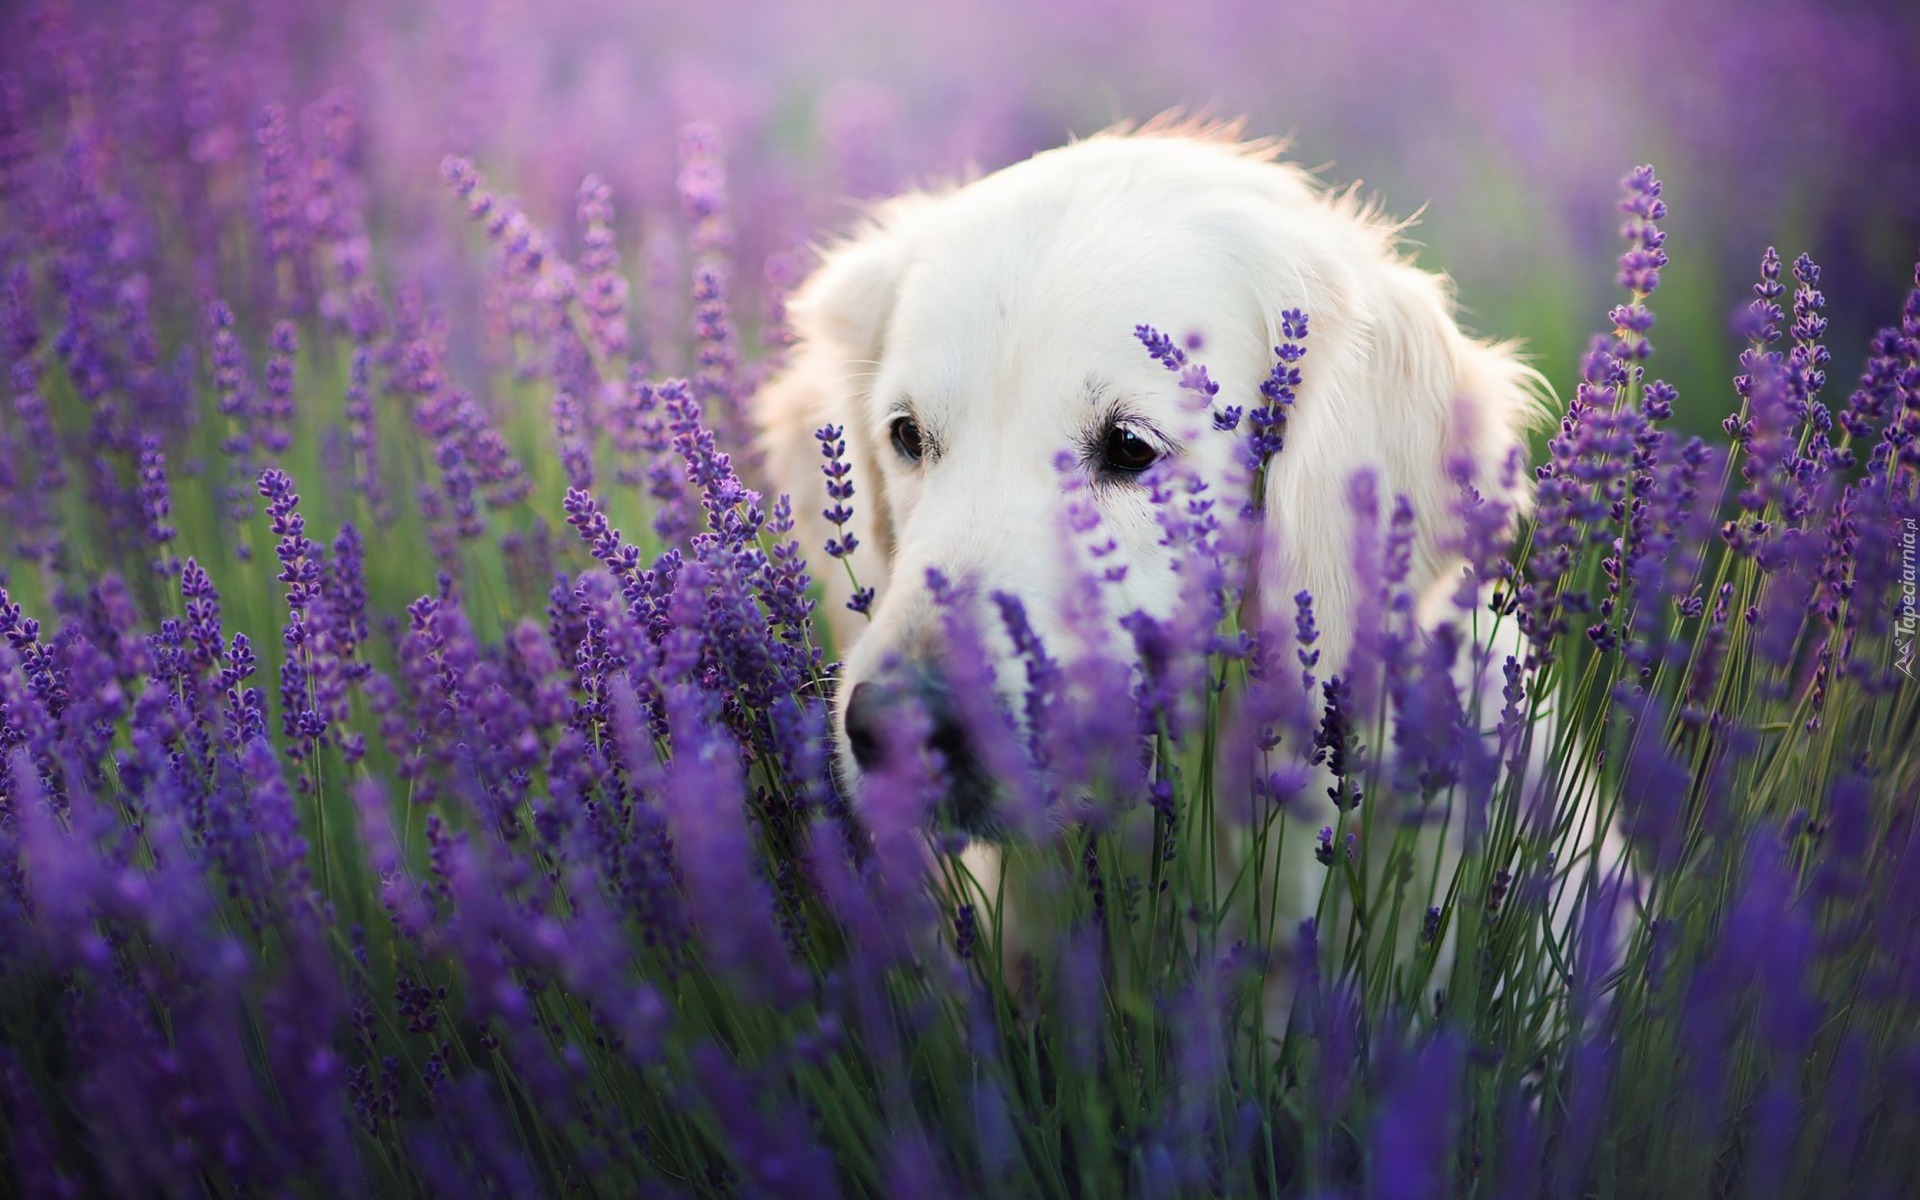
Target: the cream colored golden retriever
pixel 973 340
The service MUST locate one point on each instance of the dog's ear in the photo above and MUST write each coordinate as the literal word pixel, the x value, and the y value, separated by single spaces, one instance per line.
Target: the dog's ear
pixel 845 303
pixel 839 318
pixel 1393 386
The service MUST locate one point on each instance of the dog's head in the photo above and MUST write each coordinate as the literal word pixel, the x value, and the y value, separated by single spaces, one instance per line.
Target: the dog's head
pixel 979 342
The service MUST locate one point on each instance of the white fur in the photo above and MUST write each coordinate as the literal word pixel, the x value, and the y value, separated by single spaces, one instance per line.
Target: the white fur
pixel 989 307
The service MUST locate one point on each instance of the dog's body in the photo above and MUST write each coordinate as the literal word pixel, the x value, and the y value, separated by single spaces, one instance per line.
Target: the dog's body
pixel 971 341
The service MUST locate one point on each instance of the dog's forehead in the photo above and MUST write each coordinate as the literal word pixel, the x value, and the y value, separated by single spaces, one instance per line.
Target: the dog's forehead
pixel 1078 260
pixel 1003 299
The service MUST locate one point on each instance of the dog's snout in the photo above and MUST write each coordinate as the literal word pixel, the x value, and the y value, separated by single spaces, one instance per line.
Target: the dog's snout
pixel 873 725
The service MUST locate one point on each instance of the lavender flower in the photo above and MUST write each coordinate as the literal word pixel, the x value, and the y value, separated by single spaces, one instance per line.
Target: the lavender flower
pixel 235 403
pixel 157 502
pixel 833 447
pixel 42 477
pixel 278 204
pixel 1323 850
pixel 1410 1138
pixel 603 290
pixel 1267 423
pixel 966 932
pixel 576 448
pixel 303 714
pixel 716 379
pixel 363 432
pixel 276 411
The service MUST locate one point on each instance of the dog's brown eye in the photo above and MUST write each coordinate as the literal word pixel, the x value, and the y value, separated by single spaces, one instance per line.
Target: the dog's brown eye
pixel 1127 452
pixel 906 438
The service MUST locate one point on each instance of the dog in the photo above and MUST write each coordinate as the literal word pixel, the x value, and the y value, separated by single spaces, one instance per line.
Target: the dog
pixel 971 340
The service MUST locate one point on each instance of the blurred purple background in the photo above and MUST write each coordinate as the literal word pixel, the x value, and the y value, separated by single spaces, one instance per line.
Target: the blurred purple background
pixel 1769 120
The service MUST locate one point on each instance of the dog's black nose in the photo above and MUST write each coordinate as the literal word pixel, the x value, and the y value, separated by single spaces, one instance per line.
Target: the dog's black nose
pixel 872 709
pixel 865 706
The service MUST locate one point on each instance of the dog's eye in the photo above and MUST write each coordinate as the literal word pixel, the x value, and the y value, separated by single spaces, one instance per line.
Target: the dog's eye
pixel 1127 452
pixel 906 438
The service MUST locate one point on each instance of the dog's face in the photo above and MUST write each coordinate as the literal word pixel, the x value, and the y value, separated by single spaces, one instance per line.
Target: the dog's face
pixel 1009 384
pixel 979 348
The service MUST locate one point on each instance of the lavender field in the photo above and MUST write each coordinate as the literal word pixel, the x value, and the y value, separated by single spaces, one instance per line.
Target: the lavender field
pixel 416 767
